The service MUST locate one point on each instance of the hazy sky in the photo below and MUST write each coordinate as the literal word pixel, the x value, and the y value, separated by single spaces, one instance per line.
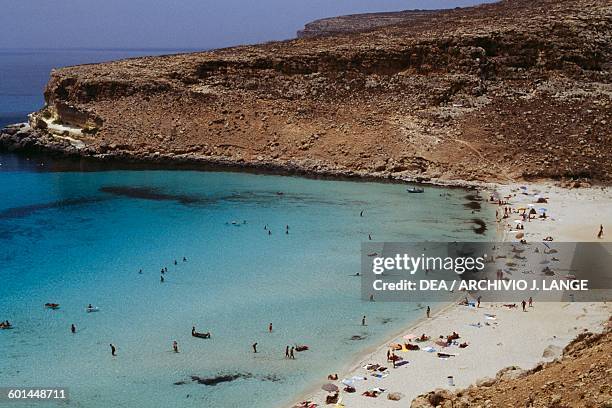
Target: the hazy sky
pixel 174 24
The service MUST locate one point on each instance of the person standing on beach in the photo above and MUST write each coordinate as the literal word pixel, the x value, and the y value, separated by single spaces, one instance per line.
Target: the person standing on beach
pixel 254 347
pixel 363 321
pixel 270 328
pixel 287 352
pixel 530 301
pixel 291 355
pixel 524 304
pixel 478 301
pixel 428 311
pixel 73 328
pixel 600 233
pixel 113 350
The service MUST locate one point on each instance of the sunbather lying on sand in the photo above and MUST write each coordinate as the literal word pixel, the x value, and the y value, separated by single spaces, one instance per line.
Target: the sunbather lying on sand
pixel 331 399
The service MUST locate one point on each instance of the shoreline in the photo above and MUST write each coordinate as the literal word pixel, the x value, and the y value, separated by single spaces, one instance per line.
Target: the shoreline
pixel 596 313
pixel 188 162
pixel 23 140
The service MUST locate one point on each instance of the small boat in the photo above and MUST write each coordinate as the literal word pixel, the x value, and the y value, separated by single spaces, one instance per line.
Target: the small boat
pixel 415 190
pixel 53 306
pixel 194 333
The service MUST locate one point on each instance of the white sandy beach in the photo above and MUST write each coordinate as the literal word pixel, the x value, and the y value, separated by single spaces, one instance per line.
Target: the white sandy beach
pixel 514 337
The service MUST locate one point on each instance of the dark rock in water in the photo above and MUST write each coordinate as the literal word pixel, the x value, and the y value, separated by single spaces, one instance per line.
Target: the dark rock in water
pixel 27 210
pixel 473 197
pixel 271 378
pixel 149 194
pixel 220 378
pixel 473 205
pixel 480 227
pixel 223 378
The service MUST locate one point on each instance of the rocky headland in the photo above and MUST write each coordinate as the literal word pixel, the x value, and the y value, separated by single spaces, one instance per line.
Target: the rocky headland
pixel 519 89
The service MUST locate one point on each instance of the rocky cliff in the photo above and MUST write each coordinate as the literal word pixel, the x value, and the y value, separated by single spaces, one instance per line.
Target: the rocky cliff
pixel 582 377
pixel 516 89
pixel 360 22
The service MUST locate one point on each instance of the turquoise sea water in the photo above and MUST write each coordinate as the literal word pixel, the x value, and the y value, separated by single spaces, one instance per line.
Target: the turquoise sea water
pixel 75 238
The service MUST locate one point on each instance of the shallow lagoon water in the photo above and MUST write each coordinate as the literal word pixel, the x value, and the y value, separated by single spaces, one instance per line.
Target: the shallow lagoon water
pixel 81 237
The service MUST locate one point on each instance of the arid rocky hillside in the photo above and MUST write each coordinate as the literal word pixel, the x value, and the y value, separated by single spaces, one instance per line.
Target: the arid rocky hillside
pixel 359 22
pixel 516 89
pixel 581 378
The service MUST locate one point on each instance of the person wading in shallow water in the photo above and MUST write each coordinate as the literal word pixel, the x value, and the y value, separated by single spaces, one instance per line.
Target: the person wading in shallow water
pixel 113 350
pixel 73 328
pixel 291 355
pixel 363 321
pixel 600 233
pixel 175 346
pixel 270 328
pixel 287 352
pixel 254 347
pixel 428 311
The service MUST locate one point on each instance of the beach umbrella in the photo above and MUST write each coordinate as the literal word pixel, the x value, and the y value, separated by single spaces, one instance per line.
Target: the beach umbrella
pixel 329 387
pixel 410 336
